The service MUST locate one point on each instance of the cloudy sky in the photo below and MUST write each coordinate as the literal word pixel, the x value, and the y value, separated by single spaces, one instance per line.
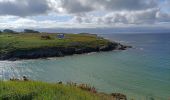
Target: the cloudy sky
pixel 20 14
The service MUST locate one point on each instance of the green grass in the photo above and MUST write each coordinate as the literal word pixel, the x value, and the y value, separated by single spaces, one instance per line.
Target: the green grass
pixel 31 90
pixel 21 41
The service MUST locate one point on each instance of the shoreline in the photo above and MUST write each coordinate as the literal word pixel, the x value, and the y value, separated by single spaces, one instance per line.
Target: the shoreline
pixel 73 44
pixel 47 53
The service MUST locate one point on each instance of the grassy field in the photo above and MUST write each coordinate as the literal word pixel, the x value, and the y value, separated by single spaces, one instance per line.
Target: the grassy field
pixel 31 90
pixel 26 41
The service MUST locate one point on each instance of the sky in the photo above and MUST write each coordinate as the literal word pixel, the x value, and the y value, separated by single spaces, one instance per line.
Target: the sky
pixel 146 15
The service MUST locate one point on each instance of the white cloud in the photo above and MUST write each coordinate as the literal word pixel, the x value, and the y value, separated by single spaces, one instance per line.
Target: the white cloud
pixel 83 13
pixel 149 16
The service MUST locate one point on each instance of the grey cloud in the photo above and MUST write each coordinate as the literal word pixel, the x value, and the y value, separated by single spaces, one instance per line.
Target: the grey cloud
pixel 126 4
pixel 36 7
pixel 24 7
pixel 80 6
pixel 75 6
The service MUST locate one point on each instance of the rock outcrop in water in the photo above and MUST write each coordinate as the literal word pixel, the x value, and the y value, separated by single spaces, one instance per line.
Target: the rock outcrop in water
pixel 58 51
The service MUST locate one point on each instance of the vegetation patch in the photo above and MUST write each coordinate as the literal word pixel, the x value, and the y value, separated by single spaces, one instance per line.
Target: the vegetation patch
pixel 34 90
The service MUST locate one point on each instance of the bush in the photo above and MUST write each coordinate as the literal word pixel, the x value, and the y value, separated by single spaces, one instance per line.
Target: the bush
pixel 8 31
pixel 45 37
pixel 30 31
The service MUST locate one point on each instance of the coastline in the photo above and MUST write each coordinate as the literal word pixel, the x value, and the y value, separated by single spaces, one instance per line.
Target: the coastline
pixel 12 52
pixel 75 47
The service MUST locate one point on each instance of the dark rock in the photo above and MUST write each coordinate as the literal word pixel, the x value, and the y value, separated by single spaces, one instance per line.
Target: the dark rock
pixel 119 96
pixel 58 51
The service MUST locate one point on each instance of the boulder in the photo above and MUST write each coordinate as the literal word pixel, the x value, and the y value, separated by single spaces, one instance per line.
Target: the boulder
pixel 119 96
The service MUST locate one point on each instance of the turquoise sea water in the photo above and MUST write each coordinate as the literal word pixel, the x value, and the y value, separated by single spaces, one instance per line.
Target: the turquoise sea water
pixel 143 73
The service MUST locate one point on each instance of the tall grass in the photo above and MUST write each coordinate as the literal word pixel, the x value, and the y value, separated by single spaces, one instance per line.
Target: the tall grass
pixel 31 90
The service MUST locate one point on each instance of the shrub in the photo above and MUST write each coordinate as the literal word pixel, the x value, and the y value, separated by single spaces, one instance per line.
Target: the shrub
pixel 8 31
pixel 30 31
pixel 45 37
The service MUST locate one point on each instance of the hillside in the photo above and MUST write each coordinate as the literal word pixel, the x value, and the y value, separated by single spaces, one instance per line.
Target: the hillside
pixel 34 90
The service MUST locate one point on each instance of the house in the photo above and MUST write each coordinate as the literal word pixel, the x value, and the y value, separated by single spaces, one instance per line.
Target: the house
pixel 60 36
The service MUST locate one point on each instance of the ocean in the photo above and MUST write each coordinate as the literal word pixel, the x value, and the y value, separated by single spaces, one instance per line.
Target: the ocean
pixel 142 72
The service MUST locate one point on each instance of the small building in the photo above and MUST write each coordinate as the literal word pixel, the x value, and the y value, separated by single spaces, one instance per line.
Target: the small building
pixel 60 36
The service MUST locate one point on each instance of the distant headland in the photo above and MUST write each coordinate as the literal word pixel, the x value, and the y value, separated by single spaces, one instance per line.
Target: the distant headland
pixel 32 44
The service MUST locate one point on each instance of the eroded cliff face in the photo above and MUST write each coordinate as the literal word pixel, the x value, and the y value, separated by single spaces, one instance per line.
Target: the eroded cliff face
pixel 58 51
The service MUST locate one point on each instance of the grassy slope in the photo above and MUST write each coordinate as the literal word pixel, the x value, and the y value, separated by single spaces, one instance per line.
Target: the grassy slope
pixel 10 42
pixel 30 90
